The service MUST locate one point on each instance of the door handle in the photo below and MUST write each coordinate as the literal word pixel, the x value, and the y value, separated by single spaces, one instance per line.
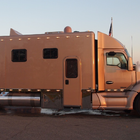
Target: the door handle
pixel 66 82
pixel 109 82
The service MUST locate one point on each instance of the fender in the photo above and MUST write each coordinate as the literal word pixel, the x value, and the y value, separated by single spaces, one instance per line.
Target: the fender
pixel 132 92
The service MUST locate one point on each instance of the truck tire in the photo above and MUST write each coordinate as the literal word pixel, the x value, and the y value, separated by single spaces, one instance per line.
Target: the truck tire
pixel 127 111
pixel 137 105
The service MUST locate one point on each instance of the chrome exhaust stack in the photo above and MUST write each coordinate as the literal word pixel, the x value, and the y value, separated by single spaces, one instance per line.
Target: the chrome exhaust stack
pixel 20 99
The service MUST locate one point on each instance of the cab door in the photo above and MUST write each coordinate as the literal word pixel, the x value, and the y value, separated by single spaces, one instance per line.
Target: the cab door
pixel 117 75
pixel 72 96
pixel 113 65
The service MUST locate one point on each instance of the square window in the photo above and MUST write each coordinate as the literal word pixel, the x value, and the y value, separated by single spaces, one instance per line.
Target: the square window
pixel 19 55
pixel 50 53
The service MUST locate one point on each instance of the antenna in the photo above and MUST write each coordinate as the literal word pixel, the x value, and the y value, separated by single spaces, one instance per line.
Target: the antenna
pixel 132 47
pixel 112 25
pixel 111 28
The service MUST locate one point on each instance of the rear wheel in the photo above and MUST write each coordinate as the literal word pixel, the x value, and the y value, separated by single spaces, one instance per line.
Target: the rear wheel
pixel 127 111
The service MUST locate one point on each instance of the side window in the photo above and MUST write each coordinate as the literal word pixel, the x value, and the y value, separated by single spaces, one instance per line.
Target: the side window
pixel 71 68
pixel 116 59
pixel 50 53
pixel 19 55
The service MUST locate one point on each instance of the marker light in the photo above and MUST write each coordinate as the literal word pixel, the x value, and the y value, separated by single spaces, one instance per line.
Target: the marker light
pixel 121 89
pixel 57 90
pixel 88 90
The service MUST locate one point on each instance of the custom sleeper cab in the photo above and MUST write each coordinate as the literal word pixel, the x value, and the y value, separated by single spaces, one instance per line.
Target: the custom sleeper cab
pixel 67 70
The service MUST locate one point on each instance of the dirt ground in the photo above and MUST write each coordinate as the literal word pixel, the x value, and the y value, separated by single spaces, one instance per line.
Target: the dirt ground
pixel 32 125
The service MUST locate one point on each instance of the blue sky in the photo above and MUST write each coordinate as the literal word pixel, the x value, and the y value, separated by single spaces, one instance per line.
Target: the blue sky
pixel 40 16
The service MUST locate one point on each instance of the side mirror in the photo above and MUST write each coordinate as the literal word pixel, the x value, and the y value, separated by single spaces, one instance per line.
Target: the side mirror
pixel 130 64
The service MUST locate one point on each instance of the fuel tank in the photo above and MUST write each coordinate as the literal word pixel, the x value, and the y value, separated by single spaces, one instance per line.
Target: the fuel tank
pixel 20 99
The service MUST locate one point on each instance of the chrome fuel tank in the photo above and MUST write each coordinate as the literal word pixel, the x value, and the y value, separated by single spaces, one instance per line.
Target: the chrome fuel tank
pixel 20 99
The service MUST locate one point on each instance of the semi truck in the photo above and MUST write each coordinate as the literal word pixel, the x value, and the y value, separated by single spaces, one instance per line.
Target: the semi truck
pixel 66 69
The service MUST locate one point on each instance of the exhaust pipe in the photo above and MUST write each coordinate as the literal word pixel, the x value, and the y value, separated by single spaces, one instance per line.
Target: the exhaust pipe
pixel 20 99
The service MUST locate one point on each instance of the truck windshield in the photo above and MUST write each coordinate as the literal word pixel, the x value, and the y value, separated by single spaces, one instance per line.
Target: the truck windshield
pixel 127 53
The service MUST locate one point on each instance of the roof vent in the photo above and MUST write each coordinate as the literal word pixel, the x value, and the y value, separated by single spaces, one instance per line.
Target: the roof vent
pixel 67 29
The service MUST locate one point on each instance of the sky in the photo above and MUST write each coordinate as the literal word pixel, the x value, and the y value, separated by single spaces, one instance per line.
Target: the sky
pixel 40 16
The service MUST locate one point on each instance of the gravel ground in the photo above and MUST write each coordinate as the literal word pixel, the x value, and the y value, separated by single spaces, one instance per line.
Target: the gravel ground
pixel 30 124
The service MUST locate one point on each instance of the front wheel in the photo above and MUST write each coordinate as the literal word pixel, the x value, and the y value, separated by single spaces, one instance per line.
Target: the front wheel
pixel 137 105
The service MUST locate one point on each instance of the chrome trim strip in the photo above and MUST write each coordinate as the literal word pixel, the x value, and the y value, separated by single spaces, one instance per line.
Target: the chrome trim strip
pixel 106 96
